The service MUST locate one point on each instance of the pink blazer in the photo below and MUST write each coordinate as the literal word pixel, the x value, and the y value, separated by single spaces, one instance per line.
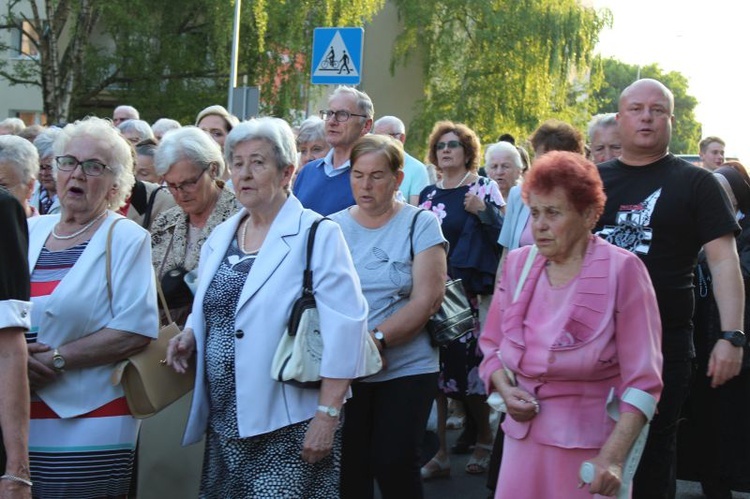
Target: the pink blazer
pixel 611 338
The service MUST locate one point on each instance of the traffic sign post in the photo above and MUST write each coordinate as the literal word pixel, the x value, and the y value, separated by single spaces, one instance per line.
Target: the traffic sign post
pixel 337 56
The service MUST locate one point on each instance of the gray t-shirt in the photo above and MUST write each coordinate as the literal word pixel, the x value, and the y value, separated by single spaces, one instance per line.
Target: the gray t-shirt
pixel 383 261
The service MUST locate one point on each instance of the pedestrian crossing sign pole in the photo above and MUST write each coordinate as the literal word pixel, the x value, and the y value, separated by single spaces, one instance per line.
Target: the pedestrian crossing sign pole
pixel 337 56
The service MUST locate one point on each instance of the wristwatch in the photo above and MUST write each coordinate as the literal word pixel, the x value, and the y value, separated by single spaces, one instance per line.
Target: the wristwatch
pixel 736 337
pixel 58 361
pixel 378 334
pixel 330 410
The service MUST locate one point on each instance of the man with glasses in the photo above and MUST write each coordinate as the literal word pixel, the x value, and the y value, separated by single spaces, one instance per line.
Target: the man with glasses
pixel 323 185
pixel 415 173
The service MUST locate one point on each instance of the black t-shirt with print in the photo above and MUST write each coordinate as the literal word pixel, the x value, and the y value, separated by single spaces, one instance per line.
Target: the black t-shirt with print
pixel 664 213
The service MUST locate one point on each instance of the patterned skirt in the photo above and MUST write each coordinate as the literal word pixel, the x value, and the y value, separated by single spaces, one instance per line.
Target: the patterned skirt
pixel 89 456
pixel 269 466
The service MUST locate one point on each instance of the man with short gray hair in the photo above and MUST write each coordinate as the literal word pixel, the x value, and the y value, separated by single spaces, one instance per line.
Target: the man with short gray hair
pixel 415 173
pixel 323 185
pixel 124 113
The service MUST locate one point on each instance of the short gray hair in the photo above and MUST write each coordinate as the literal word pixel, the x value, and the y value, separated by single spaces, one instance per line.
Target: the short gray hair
pixel 363 101
pixel 603 120
pixel 311 130
pixel 392 121
pixel 142 128
pixel 188 143
pixel 20 153
pixel 130 110
pixel 221 112
pixel 505 147
pixel 45 141
pixel 163 125
pixel 13 125
pixel 118 151
pixel 274 131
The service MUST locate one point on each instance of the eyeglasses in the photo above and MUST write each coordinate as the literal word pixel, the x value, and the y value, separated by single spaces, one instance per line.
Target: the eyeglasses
pixel 90 167
pixel 340 116
pixel 451 144
pixel 42 166
pixel 187 186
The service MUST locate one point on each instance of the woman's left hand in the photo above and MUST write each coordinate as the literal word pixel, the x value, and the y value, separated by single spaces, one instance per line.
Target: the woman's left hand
pixel 607 477
pixel 473 203
pixel 319 438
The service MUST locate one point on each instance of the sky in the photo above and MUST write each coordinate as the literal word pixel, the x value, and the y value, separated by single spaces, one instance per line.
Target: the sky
pixel 705 41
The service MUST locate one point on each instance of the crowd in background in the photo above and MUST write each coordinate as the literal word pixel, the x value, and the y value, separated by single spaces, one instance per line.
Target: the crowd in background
pixel 581 256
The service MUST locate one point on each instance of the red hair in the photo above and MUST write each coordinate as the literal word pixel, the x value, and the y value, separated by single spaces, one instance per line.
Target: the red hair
pixel 573 173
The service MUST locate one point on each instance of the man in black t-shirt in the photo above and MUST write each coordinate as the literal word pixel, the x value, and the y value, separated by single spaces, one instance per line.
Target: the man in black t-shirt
pixel 664 210
pixel 15 310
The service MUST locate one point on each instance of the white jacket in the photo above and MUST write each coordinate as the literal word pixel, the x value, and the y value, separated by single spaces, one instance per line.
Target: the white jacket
pixel 79 306
pixel 262 314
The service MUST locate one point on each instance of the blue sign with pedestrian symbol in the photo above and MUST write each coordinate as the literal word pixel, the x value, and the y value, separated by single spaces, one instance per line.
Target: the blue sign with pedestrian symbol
pixel 337 56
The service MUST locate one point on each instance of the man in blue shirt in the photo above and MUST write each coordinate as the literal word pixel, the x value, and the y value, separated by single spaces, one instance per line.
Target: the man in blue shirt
pixel 415 173
pixel 323 185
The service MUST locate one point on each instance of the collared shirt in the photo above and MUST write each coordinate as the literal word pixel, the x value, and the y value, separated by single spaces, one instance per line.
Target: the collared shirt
pixel 328 165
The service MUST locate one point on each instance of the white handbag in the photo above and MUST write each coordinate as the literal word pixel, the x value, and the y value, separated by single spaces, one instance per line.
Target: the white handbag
pixel 298 356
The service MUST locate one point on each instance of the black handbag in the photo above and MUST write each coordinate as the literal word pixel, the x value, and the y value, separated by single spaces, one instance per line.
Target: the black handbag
pixel 455 317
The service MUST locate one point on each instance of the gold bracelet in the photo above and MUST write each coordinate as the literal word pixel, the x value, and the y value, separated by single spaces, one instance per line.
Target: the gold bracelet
pixel 17 479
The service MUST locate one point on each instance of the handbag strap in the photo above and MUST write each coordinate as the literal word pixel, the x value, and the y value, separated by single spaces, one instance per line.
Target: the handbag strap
pixel 108 259
pixel 525 271
pixel 150 207
pixel 411 232
pixel 307 276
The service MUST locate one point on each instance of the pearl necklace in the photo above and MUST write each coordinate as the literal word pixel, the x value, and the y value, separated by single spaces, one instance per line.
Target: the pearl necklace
pixel 242 237
pixel 77 233
pixel 441 184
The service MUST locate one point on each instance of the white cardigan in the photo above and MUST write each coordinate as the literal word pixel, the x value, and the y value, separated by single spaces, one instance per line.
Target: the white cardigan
pixel 262 314
pixel 79 306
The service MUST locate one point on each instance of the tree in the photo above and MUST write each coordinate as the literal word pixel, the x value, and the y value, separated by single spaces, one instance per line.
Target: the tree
pixel 58 34
pixel 499 65
pixel 172 58
pixel 617 75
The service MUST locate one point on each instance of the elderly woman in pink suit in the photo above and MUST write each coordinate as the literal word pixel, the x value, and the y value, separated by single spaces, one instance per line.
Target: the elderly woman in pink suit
pixel 568 325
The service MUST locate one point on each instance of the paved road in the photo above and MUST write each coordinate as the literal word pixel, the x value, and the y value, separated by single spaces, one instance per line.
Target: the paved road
pixel 464 486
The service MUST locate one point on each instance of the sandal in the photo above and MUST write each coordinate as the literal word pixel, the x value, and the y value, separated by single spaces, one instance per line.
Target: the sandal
pixel 436 469
pixel 478 465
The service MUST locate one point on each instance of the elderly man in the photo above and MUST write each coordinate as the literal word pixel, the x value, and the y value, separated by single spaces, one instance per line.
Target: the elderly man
pixel 15 318
pixel 124 113
pixel 664 210
pixel 19 167
pixel 604 138
pixel 711 151
pixel 415 173
pixel 323 185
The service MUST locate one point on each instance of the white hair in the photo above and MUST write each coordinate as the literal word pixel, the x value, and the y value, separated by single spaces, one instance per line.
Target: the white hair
pixel 275 131
pixel 142 128
pixel 505 147
pixel 20 153
pixel 118 151
pixel 188 143
pixel 163 125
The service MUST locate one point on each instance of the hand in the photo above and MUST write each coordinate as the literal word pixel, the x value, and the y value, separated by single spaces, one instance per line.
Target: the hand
pixel 473 203
pixel 725 363
pixel 180 350
pixel 13 490
pixel 39 362
pixel 607 477
pixel 521 405
pixel 319 438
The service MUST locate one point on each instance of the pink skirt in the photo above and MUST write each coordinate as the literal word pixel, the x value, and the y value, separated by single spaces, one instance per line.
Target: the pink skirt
pixel 532 471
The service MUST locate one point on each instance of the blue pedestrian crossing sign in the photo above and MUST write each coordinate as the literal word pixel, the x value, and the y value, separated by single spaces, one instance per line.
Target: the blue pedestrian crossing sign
pixel 337 56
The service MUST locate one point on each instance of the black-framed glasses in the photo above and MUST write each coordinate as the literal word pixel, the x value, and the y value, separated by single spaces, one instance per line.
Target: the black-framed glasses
pixel 340 115
pixel 90 167
pixel 451 144
pixel 187 186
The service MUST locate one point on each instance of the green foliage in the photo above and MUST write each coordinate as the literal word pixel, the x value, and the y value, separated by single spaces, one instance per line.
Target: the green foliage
pixel 617 75
pixel 499 65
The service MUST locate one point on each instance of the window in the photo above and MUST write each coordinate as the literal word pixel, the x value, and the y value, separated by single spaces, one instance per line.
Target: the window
pixel 25 41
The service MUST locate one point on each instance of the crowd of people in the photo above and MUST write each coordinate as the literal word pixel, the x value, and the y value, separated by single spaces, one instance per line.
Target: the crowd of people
pixel 581 269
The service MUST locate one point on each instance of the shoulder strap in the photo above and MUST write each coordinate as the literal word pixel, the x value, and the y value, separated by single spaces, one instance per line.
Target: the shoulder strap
pixel 525 271
pixel 108 260
pixel 307 276
pixel 150 207
pixel 411 232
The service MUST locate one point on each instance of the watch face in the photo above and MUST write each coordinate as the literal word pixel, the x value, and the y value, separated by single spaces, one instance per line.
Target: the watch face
pixel 58 362
pixel 333 412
